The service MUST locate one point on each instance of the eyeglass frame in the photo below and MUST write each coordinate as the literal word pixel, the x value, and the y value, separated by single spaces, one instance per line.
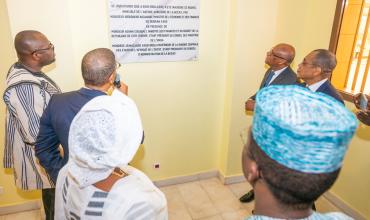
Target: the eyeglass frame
pixel 50 46
pixel 118 65
pixel 273 54
pixel 304 63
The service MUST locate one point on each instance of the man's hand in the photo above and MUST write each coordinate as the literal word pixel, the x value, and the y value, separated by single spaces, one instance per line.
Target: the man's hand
pixel 123 88
pixel 364 117
pixel 356 101
pixel 249 105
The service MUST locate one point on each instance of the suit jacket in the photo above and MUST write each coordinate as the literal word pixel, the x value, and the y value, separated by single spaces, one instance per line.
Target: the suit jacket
pixel 54 128
pixel 287 77
pixel 329 89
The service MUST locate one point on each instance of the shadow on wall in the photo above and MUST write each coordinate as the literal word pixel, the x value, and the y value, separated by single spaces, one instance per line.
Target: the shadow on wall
pixel 139 158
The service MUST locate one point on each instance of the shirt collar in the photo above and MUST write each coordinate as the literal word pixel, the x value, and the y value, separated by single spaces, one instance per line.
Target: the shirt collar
pixel 314 87
pixel 277 72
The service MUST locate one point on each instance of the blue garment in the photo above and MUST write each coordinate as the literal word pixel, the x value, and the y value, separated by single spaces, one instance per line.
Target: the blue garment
pixel 54 128
pixel 329 89
pixel 287 77
pixel 268 79
pixel 302 130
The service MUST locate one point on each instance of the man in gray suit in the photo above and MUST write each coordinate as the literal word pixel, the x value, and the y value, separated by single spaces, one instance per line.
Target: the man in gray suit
pixel 278 59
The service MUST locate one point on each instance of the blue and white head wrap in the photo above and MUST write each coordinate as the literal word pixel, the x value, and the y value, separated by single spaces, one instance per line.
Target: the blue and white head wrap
pixel 302 130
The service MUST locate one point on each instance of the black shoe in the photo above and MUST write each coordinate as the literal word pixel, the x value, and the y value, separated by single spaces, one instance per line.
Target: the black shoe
pixel 248 197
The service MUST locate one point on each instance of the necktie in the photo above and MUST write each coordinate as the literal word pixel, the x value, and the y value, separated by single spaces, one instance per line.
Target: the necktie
pixel 268 79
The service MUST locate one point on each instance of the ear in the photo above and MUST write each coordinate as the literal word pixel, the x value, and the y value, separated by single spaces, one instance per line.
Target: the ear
pixel 35 56
pixel 112 77
pixel 317 72
pixel 283 62
pixel 253 172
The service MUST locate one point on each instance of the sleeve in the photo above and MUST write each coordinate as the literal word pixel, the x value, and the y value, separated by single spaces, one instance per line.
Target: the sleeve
pixel 253 97
pixel 9 138
pixel 26 103
pixel 47 144
pixel 141 210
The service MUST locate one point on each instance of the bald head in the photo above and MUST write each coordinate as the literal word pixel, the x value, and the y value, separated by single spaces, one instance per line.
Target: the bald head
pixel 97 65
pixel 285 51
pixel 26 42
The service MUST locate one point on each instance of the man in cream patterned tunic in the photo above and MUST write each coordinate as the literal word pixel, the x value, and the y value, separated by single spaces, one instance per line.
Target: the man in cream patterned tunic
pixel 27 94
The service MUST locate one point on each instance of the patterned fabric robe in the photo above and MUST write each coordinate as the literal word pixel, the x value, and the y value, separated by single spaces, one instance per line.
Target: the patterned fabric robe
pixel 26 96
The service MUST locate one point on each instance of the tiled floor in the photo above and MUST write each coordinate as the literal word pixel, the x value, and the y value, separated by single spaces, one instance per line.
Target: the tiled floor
pixel 204 200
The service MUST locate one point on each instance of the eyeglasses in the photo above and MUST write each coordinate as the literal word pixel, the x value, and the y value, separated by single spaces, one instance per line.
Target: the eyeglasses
pixel 304 63
pixel 50 46
pixel 118 65
pixel 273 54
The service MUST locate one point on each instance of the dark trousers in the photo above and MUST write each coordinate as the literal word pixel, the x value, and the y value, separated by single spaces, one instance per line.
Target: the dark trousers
pixel 48 198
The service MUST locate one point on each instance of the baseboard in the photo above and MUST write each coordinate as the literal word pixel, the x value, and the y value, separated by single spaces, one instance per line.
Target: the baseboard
pixel 344 207
pixel 231 179
pixel 186 178
pixel 199 176
pixel 21 207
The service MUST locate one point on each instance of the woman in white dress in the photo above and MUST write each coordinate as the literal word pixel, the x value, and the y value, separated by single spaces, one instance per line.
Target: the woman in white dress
pixel 97 182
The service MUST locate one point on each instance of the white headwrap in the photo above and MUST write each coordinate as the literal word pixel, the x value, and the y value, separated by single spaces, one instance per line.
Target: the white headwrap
pixel 105 134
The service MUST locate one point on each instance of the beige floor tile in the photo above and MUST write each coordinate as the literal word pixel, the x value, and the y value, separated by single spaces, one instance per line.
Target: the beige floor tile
pixel 175 203
pixel 248 206
pixel 201 200
pixel 30 215
pixel 173 189
pixel 239 189
pixel 197 201
pixel 221 196
pixel 237 215
pixel 216 217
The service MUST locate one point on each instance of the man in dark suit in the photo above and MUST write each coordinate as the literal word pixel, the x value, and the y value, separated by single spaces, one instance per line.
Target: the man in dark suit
pixel 98 71
pixel 278 59
pixel 315 71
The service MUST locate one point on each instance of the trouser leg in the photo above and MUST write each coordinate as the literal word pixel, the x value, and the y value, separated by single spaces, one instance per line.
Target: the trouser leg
pixel 48 197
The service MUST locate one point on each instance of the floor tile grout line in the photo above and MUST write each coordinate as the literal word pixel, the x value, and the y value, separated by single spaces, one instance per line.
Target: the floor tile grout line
pixel 213 203
pixel 183 201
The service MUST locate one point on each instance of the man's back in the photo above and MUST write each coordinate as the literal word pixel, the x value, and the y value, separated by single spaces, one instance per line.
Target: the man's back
pixel 132 197
pixel 330 90
pixel 54 128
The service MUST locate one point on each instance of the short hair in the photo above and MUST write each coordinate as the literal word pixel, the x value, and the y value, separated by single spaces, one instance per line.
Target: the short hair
pixel 97 65
pixel 292 188
pixel 23 41
pixel 324 59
